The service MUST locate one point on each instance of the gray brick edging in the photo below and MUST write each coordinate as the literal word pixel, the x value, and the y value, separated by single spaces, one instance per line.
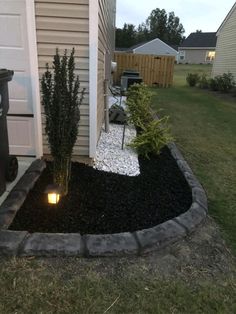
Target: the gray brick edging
pixel 22 243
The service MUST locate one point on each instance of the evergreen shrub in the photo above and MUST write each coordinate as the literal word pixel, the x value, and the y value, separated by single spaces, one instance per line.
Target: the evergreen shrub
pixel 61 98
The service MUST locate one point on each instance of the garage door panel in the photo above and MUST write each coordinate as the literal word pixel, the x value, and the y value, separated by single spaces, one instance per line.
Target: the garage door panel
pixel 19 94
pixel 18 86
pixel 21 135
pixel 15 55
pixel 12 26
pixel 14 58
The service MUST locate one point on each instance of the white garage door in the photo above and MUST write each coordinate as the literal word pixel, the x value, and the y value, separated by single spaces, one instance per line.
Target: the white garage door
pixel 15 54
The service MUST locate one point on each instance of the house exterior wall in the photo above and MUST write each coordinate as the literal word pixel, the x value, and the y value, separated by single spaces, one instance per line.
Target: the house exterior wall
pixel 106 47
pixel 225 60
pixel 65 24
pixel 156 47
pixel 194 56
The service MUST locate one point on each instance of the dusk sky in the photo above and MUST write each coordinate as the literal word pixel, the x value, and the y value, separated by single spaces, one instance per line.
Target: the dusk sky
pixel 193 14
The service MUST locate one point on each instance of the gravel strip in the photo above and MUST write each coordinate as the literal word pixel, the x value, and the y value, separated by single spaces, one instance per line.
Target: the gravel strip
pixel 111 158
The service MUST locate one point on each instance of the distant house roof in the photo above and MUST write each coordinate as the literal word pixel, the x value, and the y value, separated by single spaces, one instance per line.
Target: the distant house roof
pixel 121 49
pixel 200 40
pixel 153 45
pixel 130 49
pixel 133 49
pixel 175 47
pixel 137 45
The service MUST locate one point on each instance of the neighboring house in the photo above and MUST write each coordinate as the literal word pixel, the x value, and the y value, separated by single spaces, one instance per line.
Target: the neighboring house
pixel 30 32
pixel 198 48
pixel 225 60
pixel 154 47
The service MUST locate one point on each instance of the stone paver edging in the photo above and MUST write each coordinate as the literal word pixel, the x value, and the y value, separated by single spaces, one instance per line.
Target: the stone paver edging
pixel 22 243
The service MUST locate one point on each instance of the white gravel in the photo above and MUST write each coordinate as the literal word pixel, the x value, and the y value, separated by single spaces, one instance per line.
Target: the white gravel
pixel 117 100
pixel 111 158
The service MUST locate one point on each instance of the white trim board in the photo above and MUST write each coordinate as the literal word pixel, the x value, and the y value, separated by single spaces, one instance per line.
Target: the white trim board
pixel 93 75
pixel 196 48
pixel 33 53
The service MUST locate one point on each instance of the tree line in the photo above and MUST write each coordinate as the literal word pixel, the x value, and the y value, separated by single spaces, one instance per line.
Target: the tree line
pixel 159 24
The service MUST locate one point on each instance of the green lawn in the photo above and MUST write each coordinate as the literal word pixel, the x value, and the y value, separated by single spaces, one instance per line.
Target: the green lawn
pixel 198 279
pixel 204 127
pixel 181 71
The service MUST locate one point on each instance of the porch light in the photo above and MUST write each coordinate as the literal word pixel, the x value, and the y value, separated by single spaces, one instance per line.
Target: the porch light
pixel 54 192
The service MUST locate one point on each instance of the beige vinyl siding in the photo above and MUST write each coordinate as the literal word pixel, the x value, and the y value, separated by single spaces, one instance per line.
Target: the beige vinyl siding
pixel 64 24
pixel 195 56
pixel 225 60
pixel 106 46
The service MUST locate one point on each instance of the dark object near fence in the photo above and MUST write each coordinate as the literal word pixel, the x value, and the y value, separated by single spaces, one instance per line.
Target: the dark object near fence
pixel 131 73
pixel 127 81
pixel 117 114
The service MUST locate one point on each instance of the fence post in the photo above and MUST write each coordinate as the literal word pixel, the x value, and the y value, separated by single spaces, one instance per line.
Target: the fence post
pixel 106 103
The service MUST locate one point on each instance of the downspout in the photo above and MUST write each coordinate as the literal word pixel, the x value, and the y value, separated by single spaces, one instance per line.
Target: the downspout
pixel 107 77
pixel 93 75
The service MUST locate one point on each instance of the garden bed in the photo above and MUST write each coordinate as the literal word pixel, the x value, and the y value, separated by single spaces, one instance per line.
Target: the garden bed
pixel 99 202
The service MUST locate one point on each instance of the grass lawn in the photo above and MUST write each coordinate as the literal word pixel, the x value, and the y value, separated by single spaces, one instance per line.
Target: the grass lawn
pixel 181 71
pixel 204 127
pixel 193 276
pixel 29 286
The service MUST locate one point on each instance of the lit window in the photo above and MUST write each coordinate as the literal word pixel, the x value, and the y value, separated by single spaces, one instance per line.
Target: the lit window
pixel 210 55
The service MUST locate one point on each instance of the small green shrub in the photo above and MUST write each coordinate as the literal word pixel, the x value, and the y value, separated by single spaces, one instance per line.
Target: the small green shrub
pixel 192 79
pixel 213 84
pixel 234 91
pixel 139 104
pixel 225 82
pixel 154 136
pixel 203 81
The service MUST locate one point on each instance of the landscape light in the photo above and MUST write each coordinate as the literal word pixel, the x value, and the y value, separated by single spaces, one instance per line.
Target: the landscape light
pixel 54 192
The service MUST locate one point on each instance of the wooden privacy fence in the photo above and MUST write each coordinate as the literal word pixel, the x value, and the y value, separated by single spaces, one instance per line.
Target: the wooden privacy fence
pixel 155 70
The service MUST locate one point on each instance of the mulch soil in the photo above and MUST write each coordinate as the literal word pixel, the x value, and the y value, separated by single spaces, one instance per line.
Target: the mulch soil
pixel 99 202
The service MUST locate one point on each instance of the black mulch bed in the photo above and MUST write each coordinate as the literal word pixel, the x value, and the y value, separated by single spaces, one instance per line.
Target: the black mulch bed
pixel 101 202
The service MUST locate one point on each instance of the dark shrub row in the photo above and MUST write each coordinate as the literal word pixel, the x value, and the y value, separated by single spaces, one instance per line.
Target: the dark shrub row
pixel 223 83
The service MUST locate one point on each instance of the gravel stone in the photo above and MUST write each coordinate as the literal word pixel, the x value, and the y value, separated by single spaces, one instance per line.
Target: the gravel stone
pixel 6 219
pixel 111 244
pixel 9 208
pixel 111 158
pixel 184 167
pixel 160 236
pixel 13 202
pixel 192 180
pixel 27 182
pixel 37 166
pixel 53 244
pixel 199 196
pixel 175 151
pixel 10 241
pixel 192 218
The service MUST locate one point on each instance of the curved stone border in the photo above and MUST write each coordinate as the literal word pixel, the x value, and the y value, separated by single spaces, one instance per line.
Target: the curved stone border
pixel 22 243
